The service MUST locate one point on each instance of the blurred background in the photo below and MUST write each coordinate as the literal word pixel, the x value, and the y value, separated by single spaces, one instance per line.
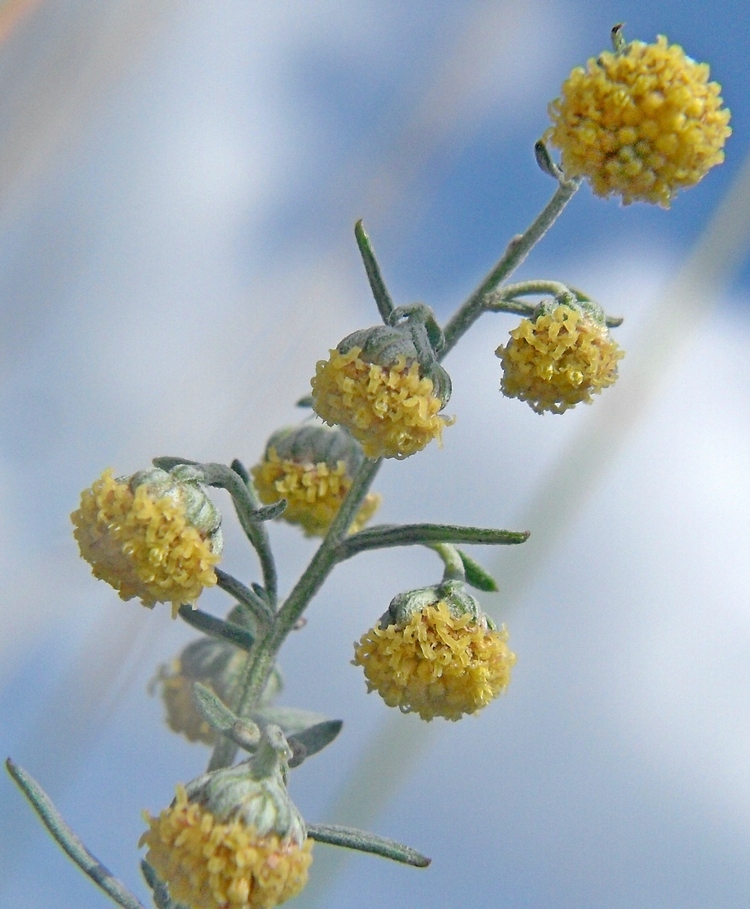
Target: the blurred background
pixel 178 187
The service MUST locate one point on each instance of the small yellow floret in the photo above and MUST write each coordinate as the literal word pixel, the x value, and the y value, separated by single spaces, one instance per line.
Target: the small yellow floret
pixel 212 865
pixel 314 492
pixel 436 664
pixel 143 546
pixel 559 360
pixel 643 123
pixel 390 410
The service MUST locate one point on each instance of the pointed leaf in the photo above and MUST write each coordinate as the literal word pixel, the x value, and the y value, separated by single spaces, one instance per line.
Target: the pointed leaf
pixel 476 575
pixel 314 739
pixel 291 719
pixel 68 841
pixel 217 628
pixel 365 841
pixel 242 732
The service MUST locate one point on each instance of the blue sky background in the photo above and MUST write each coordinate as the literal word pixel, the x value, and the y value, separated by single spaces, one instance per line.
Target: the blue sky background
pixel 178 187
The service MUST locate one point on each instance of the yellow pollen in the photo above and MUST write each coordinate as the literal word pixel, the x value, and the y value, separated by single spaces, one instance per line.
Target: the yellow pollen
pixel 211 865
pixel 652 100
pixel 436 664
pixel 142 546
pixel 559 360
pixel 314 492
pixel 390 410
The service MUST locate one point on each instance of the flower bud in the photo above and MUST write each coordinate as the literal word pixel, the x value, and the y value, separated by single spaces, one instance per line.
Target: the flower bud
pixel 155 535
pixel 435 653
pixel 384 389
pixel 233 837
pixel 641 123
pixel 215 664
pixel 312 467
pixel 560 357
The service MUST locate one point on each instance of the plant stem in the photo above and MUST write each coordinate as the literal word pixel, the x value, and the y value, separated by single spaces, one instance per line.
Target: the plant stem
pixel 261 661
pixel 518 248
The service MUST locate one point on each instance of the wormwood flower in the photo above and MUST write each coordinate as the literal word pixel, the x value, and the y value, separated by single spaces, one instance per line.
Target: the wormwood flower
pixel 312 467
pixel 154 535
pixel 233 837
pixel 641 123
pixel 215 664
pixel 559 359
pixel 436 663
pixel 373 385
pixel 208 864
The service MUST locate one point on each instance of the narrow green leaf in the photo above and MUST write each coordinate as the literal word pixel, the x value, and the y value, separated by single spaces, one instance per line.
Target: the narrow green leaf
pixel 377 285
pixel 256 604
pixel 291 719
pixel 314 738
pixel 351 838
pixel 68 841
pixel 217 628
pixel 476 575
pixel 159 889
pixel 242 732
pixel 385 535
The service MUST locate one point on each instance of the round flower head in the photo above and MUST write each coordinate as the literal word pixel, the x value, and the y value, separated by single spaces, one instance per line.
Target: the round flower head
pixel 374 385
pixel 643 122
pixel 155 535
pixel 312 467
pixel 217 665
pixel 434 657
pixel 231 838
pixel 559 359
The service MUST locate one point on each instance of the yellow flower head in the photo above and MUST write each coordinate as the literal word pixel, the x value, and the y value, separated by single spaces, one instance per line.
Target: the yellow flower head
pixel 436 663
pixel 642 122
pixel 155 536
pixel 559 359
pixel 209 864
pixel 215 664
pixel 373 385
pixel 312 467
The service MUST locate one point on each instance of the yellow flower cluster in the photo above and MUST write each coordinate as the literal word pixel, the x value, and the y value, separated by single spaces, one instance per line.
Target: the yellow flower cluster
pixel 436 664
pixel 390 410
pixel 641 123
pixel 143 546
pixel 183 716
pixel 314 492
pixel 212 865
pixel 558 360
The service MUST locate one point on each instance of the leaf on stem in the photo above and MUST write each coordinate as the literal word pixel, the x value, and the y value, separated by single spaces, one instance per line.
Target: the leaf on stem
pixel 476 575
pixel 377 285
pixel 217 628
pixel 362 840
pixel 307 732
pixel 256 605
pixel 68 841
pixel 158 888
pixel 386 535
pixel 242 732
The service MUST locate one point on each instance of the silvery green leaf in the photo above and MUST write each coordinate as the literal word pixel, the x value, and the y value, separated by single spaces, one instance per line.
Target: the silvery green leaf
pixel 364 841
pixel 291 719
pixel 313 739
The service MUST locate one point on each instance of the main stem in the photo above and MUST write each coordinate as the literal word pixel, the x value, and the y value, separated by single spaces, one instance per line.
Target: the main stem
pixel 261 660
